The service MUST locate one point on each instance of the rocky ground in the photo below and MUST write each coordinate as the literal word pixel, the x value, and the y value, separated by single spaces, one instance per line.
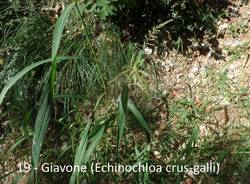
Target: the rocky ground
pixel 218 79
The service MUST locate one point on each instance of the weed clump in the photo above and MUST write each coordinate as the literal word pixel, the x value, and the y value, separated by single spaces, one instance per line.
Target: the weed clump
pixel 78 90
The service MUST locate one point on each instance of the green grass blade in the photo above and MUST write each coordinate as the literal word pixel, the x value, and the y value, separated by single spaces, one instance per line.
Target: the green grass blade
pixel 124 98
pixel 80 152
pixel 83 144
pixel 121 123
pixel 59 27
pixel 94 142
pixel 57 36
pixel 17 179
pixel 18 76
pixel 139 119
pixel 82 155
pixel 98 103
pixel 17 143
pixel 41 124
pixel 193 139
pixel 122 108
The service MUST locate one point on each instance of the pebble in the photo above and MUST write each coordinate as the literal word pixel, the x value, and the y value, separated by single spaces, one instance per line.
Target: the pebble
pixel 234 43
pixel 148 51
pixel 157 154
pixel 195 69
pixel 222 28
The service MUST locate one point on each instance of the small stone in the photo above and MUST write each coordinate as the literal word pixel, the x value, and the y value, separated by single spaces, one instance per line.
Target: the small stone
pixel 157 154
pixel 157 133
pixel 222 28
pixel 188 181
pixel 148 51
pixel 195 69
pixel 191 76
pixel 234 43
pixel 223 101
pixel 235 10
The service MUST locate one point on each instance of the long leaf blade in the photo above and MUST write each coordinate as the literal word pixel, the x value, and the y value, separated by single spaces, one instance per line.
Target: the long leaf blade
pixel 80 151
pixel 139 119
pixel 94 142
pixel 122 108
pixel 124 98
pixel 41 124
pixel 60 24
pixel 57 36
pixel 18 76
pixel 24 71
pixel 121 123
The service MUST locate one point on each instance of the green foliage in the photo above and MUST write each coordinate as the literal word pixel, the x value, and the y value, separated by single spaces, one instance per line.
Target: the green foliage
pixel 122 109
pixel 94 92
pixel 238 29
pixel 189 19
pixel 57 36
pixel 84 151
pixel 91 65
pixel 152 35
pixel 18 76
pixel 139 118
pixel 101 8
pixel 58 31
pixel 41 124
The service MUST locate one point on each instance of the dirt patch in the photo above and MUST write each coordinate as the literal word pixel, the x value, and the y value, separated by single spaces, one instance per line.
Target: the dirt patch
pixel 222 84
